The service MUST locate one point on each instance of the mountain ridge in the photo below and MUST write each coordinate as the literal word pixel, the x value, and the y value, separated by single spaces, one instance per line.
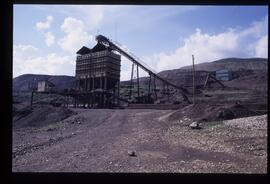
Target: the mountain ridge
pixel 62 82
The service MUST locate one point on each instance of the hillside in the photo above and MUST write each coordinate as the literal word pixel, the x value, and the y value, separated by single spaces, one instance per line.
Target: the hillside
pixel 61 82
pixel 233 64
pixel 237 65
pixel 240 68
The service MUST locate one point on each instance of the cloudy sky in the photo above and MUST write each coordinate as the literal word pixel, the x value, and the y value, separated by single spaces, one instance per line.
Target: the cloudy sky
pixel 46 37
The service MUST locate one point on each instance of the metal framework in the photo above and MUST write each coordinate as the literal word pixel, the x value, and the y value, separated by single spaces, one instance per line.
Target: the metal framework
pixel 98 78
pixel 114 46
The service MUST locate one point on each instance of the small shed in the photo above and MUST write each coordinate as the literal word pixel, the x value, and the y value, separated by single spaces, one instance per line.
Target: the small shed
pixel 224 75
pixel 45 86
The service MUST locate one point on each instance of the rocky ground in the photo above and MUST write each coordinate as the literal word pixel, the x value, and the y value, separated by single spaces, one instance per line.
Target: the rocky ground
pixel 101 140
pixel 232 138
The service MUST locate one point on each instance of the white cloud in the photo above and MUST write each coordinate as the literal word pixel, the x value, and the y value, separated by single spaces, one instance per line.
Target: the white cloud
pixel 44 25
pixel 205 48
pixel 256 29
pixel 93 15
pixel 249 42
pixel 25 51
pixel 49 39
pixel 261 47
pixel 28 59
pixel 76 35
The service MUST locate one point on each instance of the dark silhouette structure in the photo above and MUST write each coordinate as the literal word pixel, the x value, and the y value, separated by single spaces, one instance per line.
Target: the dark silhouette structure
pixel 97 76
pixel 98 79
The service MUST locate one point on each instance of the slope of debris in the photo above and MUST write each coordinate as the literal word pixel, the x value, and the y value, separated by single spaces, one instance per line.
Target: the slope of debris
pixel 40 115
pixel 209 112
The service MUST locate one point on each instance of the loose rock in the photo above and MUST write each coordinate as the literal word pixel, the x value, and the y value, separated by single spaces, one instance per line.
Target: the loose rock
pixel 195 125
pixel 131 153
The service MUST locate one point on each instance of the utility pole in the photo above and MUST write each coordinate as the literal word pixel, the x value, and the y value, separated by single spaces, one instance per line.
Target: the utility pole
pixel 193 67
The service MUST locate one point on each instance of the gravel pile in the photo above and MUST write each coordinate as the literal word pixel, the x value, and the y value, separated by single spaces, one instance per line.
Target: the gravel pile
pixel 41 115
pixel 207 112
pixel 254 122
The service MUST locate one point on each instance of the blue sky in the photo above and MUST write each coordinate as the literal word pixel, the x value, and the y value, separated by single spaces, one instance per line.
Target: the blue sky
pixel 46 37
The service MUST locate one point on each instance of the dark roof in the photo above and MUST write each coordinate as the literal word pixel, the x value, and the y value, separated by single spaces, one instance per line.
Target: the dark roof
pixel 100 47
pixel 83 50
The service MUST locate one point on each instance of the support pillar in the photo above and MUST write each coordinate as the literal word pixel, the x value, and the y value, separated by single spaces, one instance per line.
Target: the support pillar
pixel 168 93
pixel 93 83
pixel 155 88
pixel 92 100
pixel 118 91
pixel 79 87
pixel 100 82
pixel 105 83
pixel 100 100
pixel 149 87
pixel 85 84
pixel 138 84
pixel 105 92
pixel 163 84
pixel 131 82
pixel 113 95
pixel 193 69
pixel 76 84
pixel 89 84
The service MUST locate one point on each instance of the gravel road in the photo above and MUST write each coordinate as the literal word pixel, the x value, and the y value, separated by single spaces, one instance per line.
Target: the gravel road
pixel 100 140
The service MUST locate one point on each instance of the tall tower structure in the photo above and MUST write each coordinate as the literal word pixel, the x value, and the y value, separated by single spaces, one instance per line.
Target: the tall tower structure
pixel 97 73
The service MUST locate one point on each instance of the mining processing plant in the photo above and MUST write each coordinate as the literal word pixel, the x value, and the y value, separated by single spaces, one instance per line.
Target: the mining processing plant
pixel 98 79
pixel 98 76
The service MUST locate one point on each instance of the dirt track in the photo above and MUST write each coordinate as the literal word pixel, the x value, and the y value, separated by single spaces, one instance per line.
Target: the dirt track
pixel 99 141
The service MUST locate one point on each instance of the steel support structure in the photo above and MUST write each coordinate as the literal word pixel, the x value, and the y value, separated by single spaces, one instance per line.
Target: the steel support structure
pixel 149 87
pixel 108 43
pixel 131 82
pixel 155 90
pixel 138 82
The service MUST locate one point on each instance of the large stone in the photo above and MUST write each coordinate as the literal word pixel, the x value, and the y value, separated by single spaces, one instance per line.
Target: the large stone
pixel 131 153
pixel 195 125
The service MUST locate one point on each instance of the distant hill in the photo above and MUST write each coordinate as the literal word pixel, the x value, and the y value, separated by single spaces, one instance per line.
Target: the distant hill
pixel 241 60
pixel 61 82
pixel 233 64
pixel 237 65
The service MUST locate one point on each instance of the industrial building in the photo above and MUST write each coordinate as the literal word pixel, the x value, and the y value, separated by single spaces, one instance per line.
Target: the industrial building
pixel 98 77
pixel 97 80
pixel 97 74
pixel 224 75
pixel 45 86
